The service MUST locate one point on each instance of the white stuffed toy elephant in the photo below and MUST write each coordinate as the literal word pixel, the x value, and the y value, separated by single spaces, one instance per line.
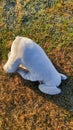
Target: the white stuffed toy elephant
pixel 37 66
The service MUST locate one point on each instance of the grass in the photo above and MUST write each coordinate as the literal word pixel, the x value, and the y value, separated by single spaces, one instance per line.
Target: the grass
pixel 22 105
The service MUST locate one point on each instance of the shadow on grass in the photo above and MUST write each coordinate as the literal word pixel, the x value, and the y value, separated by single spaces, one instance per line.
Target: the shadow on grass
pixel 64 100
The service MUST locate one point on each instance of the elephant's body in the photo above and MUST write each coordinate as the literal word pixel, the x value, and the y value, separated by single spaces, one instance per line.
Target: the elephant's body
pixel 38 66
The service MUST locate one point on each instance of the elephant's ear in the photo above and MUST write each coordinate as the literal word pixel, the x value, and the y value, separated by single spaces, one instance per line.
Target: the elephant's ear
pixel 18 38
pixel 15 44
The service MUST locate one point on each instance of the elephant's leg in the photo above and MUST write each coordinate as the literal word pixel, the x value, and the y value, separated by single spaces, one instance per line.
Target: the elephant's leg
pixel 50 89
pixel 26 74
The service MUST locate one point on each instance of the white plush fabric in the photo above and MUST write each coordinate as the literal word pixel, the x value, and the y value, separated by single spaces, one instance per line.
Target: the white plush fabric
pixel 37 66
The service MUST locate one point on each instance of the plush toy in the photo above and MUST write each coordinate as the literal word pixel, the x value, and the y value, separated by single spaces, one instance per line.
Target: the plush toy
pixel 29 60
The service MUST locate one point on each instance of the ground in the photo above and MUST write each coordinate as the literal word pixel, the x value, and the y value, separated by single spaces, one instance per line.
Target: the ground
pixel 22 105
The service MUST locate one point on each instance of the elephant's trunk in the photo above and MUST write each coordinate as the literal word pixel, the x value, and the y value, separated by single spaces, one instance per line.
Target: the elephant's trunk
pixel 12 64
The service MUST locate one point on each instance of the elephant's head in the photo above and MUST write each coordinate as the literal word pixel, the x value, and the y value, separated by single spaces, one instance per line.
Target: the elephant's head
pixel 13 59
